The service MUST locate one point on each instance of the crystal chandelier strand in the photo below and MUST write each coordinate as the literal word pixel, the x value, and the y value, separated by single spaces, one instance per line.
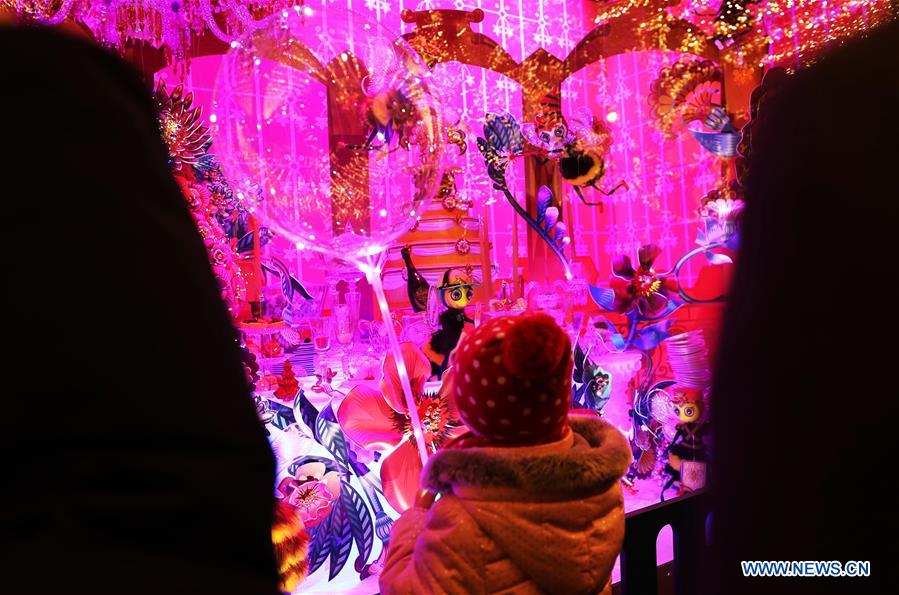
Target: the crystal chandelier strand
pixel 61 14
pixel 243 15
pixel 209 18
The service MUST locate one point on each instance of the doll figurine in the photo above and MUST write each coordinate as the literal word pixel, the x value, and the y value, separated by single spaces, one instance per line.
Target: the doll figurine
pixel 456 291
pixel 687 455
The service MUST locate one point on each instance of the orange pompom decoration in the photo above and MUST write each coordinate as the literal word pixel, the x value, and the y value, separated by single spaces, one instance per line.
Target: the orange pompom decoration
pixel 535 347
pixel 291 545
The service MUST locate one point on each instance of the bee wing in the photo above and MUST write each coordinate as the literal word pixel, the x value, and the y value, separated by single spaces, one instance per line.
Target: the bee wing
pixel 580 121
pixel 589 131
pixel 529 132
pixel 485 148
pixel 496 168
pixel 503 133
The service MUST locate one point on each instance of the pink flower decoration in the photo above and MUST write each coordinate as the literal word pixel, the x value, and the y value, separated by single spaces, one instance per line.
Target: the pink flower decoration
pixel 379 420
pixel 313 491
pixel 218 254
pixel 204 229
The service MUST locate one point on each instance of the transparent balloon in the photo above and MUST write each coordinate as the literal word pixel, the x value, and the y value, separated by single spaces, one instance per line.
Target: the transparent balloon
pixel 451 78
pixel 335 124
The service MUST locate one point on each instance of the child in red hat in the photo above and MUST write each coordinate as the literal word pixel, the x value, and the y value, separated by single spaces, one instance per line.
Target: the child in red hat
pixel 529 499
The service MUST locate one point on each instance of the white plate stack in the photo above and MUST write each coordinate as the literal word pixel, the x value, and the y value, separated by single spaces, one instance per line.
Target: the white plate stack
pixel 689 359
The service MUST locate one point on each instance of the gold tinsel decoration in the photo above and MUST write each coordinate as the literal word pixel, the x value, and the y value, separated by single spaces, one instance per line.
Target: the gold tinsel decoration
pixel 684 92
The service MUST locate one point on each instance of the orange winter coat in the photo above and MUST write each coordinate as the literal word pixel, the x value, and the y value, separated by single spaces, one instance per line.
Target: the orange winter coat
pixel 516 520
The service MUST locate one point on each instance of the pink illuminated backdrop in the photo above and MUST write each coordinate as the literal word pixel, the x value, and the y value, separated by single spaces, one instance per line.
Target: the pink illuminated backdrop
pixel 666 177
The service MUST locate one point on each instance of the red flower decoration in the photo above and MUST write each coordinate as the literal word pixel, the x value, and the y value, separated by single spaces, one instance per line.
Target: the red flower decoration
pixel 379 420
pixel 642 288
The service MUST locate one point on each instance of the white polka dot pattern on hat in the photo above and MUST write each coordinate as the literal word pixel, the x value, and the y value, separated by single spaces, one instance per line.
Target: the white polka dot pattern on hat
pixel 496 404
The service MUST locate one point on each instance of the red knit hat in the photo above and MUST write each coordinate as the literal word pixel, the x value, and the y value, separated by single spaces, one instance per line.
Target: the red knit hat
pixel 512 379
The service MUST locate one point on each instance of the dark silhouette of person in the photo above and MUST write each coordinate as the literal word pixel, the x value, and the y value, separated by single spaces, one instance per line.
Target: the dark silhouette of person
pixel 133 461
pixel 804 400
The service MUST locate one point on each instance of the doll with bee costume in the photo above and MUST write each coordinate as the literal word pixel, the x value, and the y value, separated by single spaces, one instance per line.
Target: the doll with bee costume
pixel 455 292
pixel 687 451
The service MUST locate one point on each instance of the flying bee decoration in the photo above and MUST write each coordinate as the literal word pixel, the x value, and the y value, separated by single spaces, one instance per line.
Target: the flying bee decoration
pixel 578 145
pixel 578 150
pixel 390 116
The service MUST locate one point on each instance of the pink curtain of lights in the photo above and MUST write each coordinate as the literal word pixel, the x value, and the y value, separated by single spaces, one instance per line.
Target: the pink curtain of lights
pixel 667 178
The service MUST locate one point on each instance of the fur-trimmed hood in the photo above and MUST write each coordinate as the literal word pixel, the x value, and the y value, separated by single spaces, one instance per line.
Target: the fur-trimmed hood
pixel 588 460
pixel 536 519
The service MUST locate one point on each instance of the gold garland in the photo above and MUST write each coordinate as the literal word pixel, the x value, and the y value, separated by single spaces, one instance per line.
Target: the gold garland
pixel 673 94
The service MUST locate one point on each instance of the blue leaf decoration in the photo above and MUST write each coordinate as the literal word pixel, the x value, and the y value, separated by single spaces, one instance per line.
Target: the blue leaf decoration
pixel 320 548
pixel 577 392
pixel 329 435
pixel 496 168
pixel 649 337
pixel 580 363
pixel 240 226
pixel 245 243
pixel 722 144
pixel 716 259
pixel 503 133
pixel 206 163
pixel 502 139
pixel 341 540
pixel 298 289
pixel 559 230
pixel 544 201
pixel 360 522
pixel 283 415
pixel 308 412
pixel 265 234
pixel 604 298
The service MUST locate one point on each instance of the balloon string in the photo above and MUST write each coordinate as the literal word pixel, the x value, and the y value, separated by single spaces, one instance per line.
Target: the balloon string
pixel 374 278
